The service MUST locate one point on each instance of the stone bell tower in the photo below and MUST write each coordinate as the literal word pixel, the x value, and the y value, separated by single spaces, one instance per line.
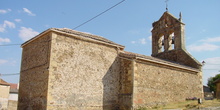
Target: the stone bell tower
pixel 167 34
pixel 168 41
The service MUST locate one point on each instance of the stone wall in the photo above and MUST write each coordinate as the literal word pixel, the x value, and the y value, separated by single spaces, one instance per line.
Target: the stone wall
pixel 12 105
pixel 162 34
pixel 155 84
pixel 64 71
pixel 4 94
pixel 126 84
pixel 180 56
pixel 34 74
pixel 168 31
pixel 83 75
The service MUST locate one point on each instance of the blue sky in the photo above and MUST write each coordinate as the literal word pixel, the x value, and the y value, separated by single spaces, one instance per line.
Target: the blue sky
pixel 128 24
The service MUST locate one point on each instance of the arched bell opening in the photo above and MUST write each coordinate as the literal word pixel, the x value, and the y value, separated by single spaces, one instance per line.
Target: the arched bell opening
pixel 161 43
pixel 171 39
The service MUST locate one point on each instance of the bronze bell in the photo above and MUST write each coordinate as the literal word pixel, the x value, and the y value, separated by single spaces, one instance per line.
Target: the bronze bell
pixel 171 42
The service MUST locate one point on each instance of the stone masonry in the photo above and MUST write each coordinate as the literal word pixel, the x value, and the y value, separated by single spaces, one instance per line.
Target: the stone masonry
pixel 63 69
pixel 168 30
pixel 35 75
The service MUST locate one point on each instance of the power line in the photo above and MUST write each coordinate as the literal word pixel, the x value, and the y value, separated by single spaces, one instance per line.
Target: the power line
pixel 83 22
pixel 210 69
pixel 9 74
pixel 21 44
pixel 99 14
pixel 9 44
pixel 212 64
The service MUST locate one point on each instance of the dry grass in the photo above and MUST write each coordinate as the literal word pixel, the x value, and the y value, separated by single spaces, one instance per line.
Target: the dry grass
pixel 187 105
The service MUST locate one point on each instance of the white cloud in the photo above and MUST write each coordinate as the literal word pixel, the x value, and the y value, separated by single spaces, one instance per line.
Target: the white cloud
pixel 47 25
pixel 142 41
pixel 5 11
pixel 139 41
pixel 211 68
pixel 2 29
pixel 133 42
pixel 9 62
pixel 151 29
pixel 28 12
pixel 8 24
pixel 3 61
pixel 5 25
pixel 4 40
pixel 27 33
pixel 214 39
pixel 215 60
pixel 135 32
pixel 18 20
pixel 203 47
pixel 150 38
pixel 212 63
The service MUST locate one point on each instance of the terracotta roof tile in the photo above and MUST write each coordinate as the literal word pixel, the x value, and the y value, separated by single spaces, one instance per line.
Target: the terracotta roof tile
pixel 13 86
pixel 131 55
pixel 2 82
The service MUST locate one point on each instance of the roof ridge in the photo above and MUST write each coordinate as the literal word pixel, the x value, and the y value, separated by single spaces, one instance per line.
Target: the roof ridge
pixel 86 34
pixel 71 30
pixel 76 33
pixel 4 82
pixel 137 56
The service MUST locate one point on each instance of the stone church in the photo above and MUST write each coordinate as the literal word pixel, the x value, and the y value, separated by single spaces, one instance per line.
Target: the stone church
pixel 64 69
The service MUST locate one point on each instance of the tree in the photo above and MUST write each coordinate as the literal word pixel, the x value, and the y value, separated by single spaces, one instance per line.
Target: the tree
pixel 211 81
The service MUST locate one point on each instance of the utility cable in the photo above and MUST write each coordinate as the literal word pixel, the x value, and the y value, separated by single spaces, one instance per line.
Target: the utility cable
pixel 9 74
pixel 98 15
pixel 9 44
pixel 212 64
pixel 21 44
pixel 83 22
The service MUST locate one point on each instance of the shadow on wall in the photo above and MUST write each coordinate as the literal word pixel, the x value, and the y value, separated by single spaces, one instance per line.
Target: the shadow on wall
pixel 111 86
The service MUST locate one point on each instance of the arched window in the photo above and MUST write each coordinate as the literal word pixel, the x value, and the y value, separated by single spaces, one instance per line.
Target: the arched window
pixel 171 41
pixel 161 43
